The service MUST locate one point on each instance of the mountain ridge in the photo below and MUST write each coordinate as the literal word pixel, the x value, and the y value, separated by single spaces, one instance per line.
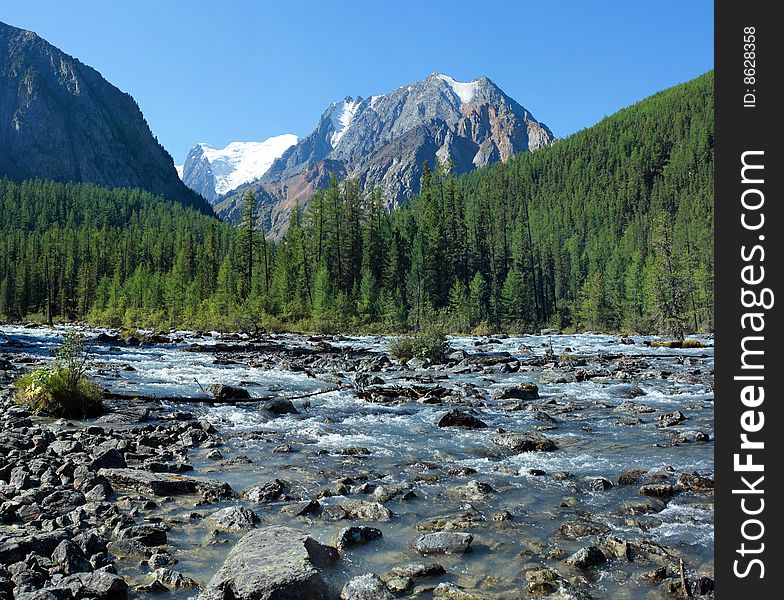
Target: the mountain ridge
pixel 61 120
pixel 382 141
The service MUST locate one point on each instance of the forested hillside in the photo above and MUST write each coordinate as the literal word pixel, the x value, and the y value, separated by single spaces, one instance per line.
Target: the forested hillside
pixel 610 229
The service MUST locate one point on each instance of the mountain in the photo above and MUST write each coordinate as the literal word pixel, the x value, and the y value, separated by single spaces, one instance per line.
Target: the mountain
pixel 61 120
pixel 382 142
pixel 213 172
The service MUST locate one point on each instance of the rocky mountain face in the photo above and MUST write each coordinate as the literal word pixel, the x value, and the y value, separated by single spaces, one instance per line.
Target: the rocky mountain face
pixel 383 141
pixel 61 120
pixel 214 172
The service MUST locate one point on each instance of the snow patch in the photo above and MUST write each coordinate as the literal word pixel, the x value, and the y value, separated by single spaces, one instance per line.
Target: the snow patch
pixel 179 170
pixel 465 91
pixel 342 116
pixel 241 162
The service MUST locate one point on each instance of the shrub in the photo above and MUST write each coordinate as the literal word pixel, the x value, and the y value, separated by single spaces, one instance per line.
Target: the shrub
pixel 431 344
pixel 62 389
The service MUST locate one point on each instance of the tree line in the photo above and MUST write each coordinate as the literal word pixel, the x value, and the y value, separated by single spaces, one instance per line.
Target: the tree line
pixel 609 229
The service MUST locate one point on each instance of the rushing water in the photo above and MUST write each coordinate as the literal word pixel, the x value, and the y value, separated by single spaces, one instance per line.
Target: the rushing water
pixel 406 446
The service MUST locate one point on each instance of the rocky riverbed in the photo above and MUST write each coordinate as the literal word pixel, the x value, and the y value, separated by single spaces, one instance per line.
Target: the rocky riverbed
pixel 317 467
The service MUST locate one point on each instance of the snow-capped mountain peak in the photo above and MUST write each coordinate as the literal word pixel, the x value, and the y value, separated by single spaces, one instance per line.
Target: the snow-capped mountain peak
pixel 465 91
pixel 215 171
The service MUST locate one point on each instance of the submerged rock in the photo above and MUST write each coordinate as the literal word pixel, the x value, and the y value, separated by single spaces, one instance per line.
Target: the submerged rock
pixel 272 563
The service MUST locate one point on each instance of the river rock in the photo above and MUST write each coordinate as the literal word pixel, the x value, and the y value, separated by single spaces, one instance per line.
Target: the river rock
pixel 168 484
pixel 366 511
pixel 458 418
pixel 355 536
pixel 272 563
pixel 671 419
pixel 228 393
pixel 280 406
pixel 264 493
pixel 588 557
pixel 524 442
pixel 100 584
pixel 524 391
pixel 365 587
pixel 443 542
pixel 69 558
pixel 234 518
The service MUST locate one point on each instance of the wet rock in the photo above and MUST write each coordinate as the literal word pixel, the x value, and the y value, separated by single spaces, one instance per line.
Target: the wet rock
pixel 385 493
pixel 616 547
pixel 365 587
pixel 280 406
pixel 173 579
pixel 540 580
pixel 694 482
pixel 524 391
pixel 272 562
pixel 630 477
pixel 299 509
pixel 658 490
pixel 458 418
pixel 265 493
pixel 234 518
pixel 524 442
pixel 634 408
pixel 473 490
pixel 671 419
pixel 366 511
pixel 228 393
pixel 167 484
pixel 625 390
pixel 578 529
pixel 643 507
pixel 588 557
pixel 442 542
pixel 417 570
pixel 355 536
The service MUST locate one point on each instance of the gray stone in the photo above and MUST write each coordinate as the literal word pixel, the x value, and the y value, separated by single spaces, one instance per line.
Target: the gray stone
pixel 365 587
pixel 272 563
pixel 443 542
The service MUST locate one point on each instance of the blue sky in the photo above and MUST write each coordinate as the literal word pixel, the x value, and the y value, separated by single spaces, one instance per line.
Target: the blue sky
pixel 210 71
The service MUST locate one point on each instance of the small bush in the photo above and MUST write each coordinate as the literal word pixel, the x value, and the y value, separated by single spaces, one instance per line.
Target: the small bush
pixel 431 345
pixel 63 389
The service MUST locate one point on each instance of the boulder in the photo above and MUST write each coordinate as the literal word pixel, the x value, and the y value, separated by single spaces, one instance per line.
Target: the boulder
pixel 272 563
